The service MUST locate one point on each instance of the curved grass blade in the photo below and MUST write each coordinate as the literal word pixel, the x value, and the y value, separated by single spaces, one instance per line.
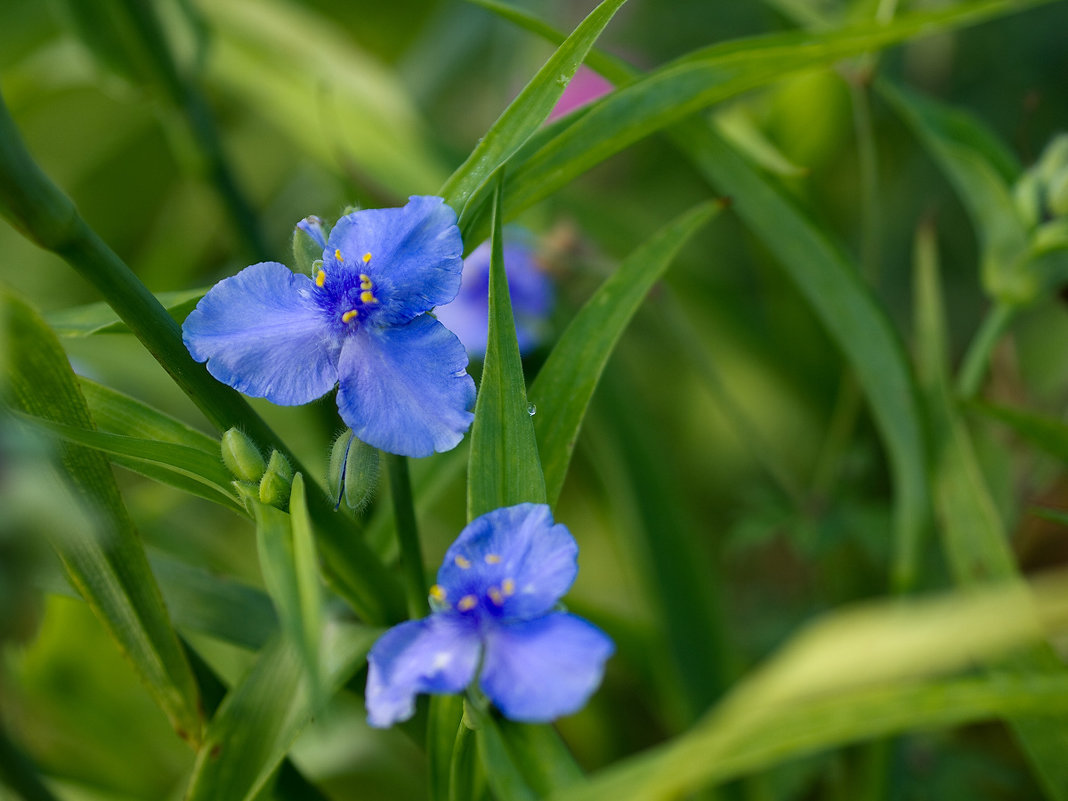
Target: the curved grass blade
pixel 504 468
pixel 118 413
pixel 852 676
pixel 1045 433
pixel 164 461
pixel 100 318
pixel 565 383
pixel 557 155
pixel 529 110
pixel 260 718
pixel 109 570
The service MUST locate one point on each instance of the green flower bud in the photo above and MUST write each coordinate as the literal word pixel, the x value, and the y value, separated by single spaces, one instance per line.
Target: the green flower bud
pixel 241 456
pixel 277 482
pixel 353 473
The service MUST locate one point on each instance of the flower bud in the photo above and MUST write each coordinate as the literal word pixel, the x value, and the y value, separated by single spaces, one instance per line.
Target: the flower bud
pixel 241 456
pixel 277 482
pixel 353 473
pixel 309 239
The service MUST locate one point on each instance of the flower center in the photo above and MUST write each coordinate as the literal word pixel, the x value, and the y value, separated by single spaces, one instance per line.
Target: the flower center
pixel 345 295
pixel 483 596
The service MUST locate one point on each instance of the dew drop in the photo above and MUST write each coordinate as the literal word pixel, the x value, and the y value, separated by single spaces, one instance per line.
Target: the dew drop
pixel 532 409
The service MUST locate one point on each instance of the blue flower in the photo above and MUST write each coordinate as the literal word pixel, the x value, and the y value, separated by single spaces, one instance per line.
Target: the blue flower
pixel 360 322
pixel 530 289
pixel 495 607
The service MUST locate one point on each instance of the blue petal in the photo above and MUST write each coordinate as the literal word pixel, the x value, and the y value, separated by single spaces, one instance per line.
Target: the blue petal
pixel 537 670
pixel 404 388
pixel 518 552
pixel 438 654
pixel 313 227
pixel 415 254
pixel 261 332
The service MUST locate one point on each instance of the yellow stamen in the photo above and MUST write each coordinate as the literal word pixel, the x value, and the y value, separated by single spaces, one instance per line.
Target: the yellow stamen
pixel 366 257
pixel 320 279
pixel 492 559
pixel 365 282
pixel 462 563
pixel 495 596
pixel 367 297
pixel 337 254
pixel 437 593
pixel 349 315
pixel 467 603
pixel 508 587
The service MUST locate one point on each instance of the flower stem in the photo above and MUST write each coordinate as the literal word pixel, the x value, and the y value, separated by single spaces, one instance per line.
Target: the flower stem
pixel 977 358
pixel 39 209
pixel 400 490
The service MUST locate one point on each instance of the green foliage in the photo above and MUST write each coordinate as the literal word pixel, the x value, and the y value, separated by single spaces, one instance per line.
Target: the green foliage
pixel 753 449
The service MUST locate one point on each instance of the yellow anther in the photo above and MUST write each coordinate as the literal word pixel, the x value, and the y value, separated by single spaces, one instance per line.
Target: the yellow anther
pixel 349 315
pixel 366 257
pixel 337 254
pixel 320 279
pixel 492 559
pixel 462 563
pixel 365 282
pixel 437 593
pixel 367 297
pixel 508 587
pixel 467 603
pixel 495 596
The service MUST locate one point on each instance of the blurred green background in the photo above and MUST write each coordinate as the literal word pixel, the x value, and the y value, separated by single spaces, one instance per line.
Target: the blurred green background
pixel 726 410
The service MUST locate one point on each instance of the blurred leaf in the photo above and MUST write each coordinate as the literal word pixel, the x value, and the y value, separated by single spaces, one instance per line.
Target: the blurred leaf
pixel 210 604
pixel 336 103
pixel 854 675
pixel 540 755
pixel 974 538
pixel 164 461
pixel 1044 433
pixel 504 468
pixel 558 154
pixel 110 570
pixel 502 774
pixel 290 571
pixel 565 383
pixel 100 318
pixel 443 722
pixel 736 126
pixel 982 173
pixel 261 716
pixel 844 304
pixel 529 110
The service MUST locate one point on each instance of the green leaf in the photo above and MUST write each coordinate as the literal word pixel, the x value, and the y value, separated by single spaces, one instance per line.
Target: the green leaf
pixel 443 722
pixel 261 716
pixel 215 605
pixel 556 155
pixel 100 318
pixel 504 778
pixel 186 468
pixel 290 571
pixel 564 385
pixel 982 174
pixel 1044 433
pixel 504 468
pixel 118 413
pixel 529 110
pixel 853 675
pixel 108 567
pixel 974 538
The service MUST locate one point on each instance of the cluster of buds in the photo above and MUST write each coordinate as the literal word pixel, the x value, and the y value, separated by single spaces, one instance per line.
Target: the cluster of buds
pixel 268 482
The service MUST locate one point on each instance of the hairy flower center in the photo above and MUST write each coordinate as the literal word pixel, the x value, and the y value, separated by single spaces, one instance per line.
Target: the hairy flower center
pixel 346 296
pixel 484 596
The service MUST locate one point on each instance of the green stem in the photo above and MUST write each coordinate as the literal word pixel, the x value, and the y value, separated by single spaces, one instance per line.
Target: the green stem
pixel 400 490
pixel 39 209
pixel 973 368
pixel 19 774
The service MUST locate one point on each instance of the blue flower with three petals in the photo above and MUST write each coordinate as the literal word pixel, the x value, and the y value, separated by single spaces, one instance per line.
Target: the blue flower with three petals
pixel 495 616
pixel 359 322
